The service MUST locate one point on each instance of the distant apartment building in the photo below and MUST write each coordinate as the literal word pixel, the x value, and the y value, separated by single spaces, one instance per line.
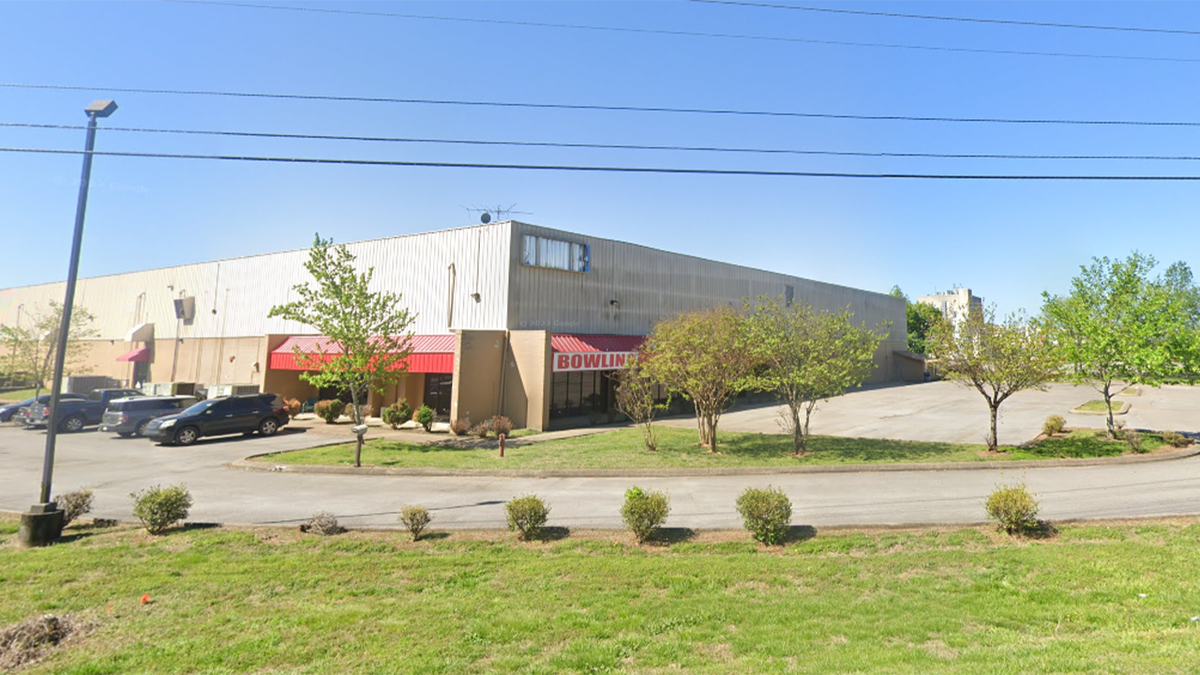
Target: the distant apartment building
pixel 955 305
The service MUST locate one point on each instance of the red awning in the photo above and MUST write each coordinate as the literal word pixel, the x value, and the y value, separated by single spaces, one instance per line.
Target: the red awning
pixel 140 355
pixel 574 353
pixel 429 353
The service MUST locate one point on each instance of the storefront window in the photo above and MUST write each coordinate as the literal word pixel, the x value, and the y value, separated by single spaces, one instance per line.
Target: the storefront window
pixel 579 393
pixel 438 387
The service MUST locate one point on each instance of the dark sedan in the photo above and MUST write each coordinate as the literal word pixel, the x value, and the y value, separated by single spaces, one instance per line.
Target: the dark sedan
pixel 262 413
pixel 7 412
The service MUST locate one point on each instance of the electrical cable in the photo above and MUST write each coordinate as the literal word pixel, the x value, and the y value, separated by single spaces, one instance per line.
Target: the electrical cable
pixel 605 108
pixel 606 169
pixel 605 146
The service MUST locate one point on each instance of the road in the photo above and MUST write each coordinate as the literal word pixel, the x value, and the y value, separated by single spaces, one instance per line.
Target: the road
pixel 114 467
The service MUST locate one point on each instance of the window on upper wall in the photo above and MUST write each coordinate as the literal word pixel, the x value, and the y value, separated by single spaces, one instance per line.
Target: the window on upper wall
pixel 556 254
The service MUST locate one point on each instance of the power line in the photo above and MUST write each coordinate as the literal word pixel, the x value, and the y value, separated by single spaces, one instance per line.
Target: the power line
pixel 605 146
pixel 605 108
pixel 958 19
pixel 686 33
pixel 607 169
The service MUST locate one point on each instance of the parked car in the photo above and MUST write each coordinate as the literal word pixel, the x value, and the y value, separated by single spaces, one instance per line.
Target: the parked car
pixel 74 414
pixel 9 412
pixel 127 417
pixel 264 413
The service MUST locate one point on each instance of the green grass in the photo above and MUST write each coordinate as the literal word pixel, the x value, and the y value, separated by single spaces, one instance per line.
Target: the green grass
pixel 960 601
pixel 623 449
pixel 19 395
pixel 1097 406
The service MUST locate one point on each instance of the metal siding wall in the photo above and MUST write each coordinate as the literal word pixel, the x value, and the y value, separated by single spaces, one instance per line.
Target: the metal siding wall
pixel 242 290
pixel 652 285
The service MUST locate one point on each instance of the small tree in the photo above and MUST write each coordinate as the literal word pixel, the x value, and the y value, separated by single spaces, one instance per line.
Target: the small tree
pixel 807 356
pixel 367 331
pixel 920 319
pixel 635 398
pixel 997 359
pixel 703 357
pixel 32 346
pixel 1119 325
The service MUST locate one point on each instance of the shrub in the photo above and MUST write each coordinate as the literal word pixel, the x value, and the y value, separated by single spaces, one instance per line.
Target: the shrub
pixel 527 515
pixel 396 414
pixel 292 405
pixel 329 410
pixel 460 427
pixel 481 430
pixel 324 524
pixel 644 511
pixel 364 411
pixel 1133 439
pixel 1176 440
pixel 767 514
pixel 1013 508
pixel 74 504
pixel 1054 424
pixel 160 507
pixel 425 417
pixel 415 518
pixel 502 425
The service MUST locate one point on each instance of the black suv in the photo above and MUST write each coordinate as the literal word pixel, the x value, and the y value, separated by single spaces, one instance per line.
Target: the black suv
pixel 263 413
pixel 129 416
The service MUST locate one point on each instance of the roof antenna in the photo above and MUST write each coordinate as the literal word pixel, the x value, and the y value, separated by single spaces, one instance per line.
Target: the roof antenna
pixel 499 212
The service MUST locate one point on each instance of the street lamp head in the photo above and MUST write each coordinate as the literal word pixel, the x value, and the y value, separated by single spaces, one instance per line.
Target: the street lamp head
pixel 101 108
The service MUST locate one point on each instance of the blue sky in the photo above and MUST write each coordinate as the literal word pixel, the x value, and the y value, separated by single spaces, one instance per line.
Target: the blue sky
pixel 1008 241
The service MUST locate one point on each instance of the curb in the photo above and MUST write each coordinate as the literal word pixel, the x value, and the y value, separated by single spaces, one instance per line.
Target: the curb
pixel 1125 406
pixel 248 465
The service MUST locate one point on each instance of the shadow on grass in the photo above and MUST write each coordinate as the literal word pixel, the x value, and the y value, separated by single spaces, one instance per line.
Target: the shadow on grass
pixel 799 533
pixel 434 536
pixel 193 527
pixel 840 449
pixel 665 536
pixel 553 534
pixel 1083 443
pixel 1043 530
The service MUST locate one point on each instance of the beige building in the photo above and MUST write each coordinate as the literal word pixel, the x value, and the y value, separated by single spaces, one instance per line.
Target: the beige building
pixel 956 305
pixel 511 318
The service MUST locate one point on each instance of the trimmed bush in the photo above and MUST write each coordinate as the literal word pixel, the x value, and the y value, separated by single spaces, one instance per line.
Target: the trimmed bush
pixel 767 514
pixel 1133 439
pixel 324 524
pixel 74 504
pixel 292 405
pixel 161 507
pixel 364 411
pixel 460 427
pixel 415 518
pixel 396 414
pixel 425 417
pixel 527 515
pixel 1054 424
pixel 481 430
pixel 502 425
pixel 644 511
pixel 1176 440
pixel 329 410
pixel 1013 508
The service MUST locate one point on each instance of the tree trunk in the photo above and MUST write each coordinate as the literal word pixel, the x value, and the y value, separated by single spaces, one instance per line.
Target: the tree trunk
pixel 804 437
pixel 797 431
pixel 651 443
pixel 993 442
pixel 1112 425
pixel 358 443
pixel 712 434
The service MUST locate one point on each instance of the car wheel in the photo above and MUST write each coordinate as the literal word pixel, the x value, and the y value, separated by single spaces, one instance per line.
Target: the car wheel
pixel 72 424
pixel 141 428
pixel 268 427
pixel 186 436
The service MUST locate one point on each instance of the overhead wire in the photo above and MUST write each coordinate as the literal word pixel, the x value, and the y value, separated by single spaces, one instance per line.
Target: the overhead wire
pixel 608 169
pixel 958 19
pixel 686 33
pixel 604 108
pixel 603 146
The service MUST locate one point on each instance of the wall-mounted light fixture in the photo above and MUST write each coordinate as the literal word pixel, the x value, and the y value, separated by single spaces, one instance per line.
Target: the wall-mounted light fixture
pixel 614 304
pixel 475 297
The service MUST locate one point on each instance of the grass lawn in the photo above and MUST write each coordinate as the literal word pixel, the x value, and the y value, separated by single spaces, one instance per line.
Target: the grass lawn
pixel 957 601
pixel 19 395
pixel 1098 407
pixel 623 449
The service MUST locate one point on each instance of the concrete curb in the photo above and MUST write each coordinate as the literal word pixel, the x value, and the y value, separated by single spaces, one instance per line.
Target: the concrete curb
pixel 1125 405
pixel 249 465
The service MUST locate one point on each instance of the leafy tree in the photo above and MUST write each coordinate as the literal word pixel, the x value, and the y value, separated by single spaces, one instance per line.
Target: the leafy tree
pixel 997 359
pixel 701 356
pixel 1120 325
pixel 920 320
pixel 807 356
pixel 635 398
pixel 32 347
pixel 368 331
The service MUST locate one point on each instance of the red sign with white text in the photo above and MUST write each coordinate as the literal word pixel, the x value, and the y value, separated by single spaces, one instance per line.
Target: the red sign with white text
pixel 569 362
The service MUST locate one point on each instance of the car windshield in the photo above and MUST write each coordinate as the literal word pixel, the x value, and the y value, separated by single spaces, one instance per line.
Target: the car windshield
pixel 201 407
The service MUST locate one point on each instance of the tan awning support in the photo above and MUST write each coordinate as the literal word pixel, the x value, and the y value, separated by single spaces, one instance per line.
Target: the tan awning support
pixel 142 333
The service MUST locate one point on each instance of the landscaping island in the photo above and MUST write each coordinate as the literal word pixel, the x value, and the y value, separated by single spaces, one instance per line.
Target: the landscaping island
pixel 677 448
pixel 1111 598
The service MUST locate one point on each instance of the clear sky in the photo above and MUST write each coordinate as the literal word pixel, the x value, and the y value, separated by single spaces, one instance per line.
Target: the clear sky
pixel 1007 240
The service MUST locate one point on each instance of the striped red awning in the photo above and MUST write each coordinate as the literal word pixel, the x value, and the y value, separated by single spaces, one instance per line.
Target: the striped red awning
pixel 139 355
pixel 429 353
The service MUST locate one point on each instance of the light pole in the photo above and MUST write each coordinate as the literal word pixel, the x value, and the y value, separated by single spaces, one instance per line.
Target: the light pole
pixel 44 522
